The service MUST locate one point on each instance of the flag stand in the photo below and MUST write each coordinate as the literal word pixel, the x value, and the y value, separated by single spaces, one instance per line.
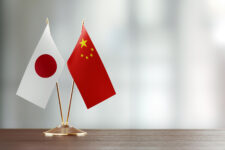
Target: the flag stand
pixel 64 129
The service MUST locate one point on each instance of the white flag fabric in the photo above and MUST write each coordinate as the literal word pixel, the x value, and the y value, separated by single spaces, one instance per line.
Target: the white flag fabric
pixel 42 72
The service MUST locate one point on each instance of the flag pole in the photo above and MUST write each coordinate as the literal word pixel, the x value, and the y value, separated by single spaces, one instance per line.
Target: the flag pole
pixel 60 106
pixel 47 21
pixel 71 96
pixel 57 87
pixel 65 129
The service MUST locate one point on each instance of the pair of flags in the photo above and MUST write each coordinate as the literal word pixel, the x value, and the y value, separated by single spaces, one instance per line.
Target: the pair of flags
pixel 46 66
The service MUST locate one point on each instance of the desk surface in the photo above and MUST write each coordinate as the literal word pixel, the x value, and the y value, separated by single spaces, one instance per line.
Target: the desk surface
pixel 27 139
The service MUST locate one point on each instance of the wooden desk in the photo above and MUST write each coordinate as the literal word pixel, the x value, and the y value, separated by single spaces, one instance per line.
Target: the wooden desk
pixel 34 139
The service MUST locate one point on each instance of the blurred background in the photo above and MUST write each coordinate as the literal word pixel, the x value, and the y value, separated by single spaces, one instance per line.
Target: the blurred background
pixel 165 58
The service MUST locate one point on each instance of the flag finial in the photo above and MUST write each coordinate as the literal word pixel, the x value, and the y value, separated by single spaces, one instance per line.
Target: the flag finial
pixel 47 21
pixel 83 22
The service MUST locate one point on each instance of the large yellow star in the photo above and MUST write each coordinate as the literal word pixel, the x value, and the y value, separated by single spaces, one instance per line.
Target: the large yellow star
pixel 83 43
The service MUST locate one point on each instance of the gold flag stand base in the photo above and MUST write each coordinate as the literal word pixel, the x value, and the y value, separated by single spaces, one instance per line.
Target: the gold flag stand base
pixel 65 130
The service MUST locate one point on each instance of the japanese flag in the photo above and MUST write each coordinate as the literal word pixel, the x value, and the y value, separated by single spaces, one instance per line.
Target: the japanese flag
pixel 42 72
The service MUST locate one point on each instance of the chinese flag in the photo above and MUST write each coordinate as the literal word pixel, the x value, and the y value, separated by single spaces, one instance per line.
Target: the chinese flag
pixel 88 72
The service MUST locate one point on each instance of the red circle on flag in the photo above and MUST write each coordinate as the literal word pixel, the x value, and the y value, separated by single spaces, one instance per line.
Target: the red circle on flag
pixel 45 66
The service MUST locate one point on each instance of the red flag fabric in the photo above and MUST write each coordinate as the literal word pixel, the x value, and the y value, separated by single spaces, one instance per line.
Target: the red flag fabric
pixel 88 72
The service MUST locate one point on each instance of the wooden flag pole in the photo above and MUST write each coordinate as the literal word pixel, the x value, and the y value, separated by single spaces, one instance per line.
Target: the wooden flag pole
pixel 60 106
pixel 71 96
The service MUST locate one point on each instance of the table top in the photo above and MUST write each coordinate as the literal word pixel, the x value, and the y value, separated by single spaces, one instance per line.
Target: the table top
pixel 27 139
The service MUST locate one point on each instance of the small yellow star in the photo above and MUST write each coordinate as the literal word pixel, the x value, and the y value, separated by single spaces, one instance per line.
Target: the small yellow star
pixel 91 55
pixel 81 55
pixel 86 57
pixel 92 49
pixel 83 43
